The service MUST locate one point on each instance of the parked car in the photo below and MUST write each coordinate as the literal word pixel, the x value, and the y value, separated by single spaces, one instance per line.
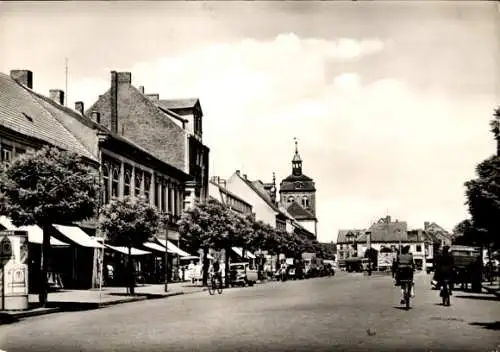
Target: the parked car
pixel 241 274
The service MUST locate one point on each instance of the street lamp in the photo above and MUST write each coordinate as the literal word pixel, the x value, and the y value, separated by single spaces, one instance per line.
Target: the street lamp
pixel 101 138
pixel 166 222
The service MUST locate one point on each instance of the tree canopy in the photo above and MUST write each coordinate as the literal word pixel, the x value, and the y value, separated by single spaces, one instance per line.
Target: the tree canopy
pixel 129 222
pixel 483 194
pixel 48 186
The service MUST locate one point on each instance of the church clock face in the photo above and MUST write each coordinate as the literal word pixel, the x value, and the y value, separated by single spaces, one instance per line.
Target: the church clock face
pixel 298 184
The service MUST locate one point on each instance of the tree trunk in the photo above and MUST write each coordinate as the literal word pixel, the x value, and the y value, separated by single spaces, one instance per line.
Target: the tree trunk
pixel 131 271
pixel 205 266
pixel 227 271
pixel 44 285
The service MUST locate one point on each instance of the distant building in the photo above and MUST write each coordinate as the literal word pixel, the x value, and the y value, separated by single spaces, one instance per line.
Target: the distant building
pixel 217 189
pixel 298 195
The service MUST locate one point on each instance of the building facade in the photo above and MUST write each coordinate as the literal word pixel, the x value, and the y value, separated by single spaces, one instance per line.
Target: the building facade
pixel 146 121
pixel 218 191
pixel 30 120
pixel 298 195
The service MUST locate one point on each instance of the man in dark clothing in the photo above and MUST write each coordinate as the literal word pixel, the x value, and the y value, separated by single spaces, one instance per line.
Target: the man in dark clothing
pixel 444 268
pixel 405 268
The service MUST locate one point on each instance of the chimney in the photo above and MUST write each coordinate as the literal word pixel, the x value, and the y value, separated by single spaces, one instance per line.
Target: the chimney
pixel 114 101
pixel 95 116
pixel 124 78
pixel 388 219
pixel 245 176
pixel 238 172
pixel 24 77
pixel 79 107
pixel 141 89
pixel 57 95
pixel 426 225
pixel 153 97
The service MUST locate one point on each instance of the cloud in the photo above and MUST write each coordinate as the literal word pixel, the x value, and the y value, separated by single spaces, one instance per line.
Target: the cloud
pixel 369 146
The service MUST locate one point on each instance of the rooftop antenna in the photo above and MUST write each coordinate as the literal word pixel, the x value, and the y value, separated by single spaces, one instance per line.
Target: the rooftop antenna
pixel 66 81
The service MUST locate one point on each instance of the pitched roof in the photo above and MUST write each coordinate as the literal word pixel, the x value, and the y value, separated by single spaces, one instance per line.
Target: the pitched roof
pixel 228 192
pixel 343 235
pixel 260 191
pixel 383 231
pixel 29 113
pixel 178 103
pixel 299 213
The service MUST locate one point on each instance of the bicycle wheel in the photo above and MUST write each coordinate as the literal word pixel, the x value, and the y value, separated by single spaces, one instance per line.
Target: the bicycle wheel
pixel 211 287
pixel 407 295
pixel 219 287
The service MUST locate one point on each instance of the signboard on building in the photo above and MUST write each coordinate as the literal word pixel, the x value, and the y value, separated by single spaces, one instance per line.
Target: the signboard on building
pixel 14 270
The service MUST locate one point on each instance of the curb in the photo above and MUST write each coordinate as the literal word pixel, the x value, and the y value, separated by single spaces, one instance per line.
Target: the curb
pixel 493 291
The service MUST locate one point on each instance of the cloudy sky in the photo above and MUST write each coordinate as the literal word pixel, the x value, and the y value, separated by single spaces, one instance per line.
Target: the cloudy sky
pixel 390 101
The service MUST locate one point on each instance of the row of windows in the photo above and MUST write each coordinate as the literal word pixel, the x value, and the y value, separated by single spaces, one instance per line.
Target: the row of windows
pixel 418 247
pixel 137 182
pixel 238 205
pixel 305 201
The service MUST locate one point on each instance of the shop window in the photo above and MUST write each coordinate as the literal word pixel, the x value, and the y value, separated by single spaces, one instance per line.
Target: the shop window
pixel 419 248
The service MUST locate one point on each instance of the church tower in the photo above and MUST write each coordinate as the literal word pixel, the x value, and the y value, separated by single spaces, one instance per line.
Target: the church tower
pixel 298 195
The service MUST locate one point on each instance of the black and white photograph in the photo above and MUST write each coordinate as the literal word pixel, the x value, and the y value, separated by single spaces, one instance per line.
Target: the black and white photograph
pixel 257 175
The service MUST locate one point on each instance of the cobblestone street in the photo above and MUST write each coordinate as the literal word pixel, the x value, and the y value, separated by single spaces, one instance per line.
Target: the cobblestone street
pixel 345 312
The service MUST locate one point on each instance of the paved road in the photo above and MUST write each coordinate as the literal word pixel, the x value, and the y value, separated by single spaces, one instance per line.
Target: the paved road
pixel 331 314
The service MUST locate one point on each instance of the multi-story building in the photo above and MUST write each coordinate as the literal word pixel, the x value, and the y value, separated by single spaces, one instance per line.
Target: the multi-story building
pixel 169 130
pixel 30 120
pixel 217 190
pixel 386 237
pixel 298 195
pixel 254 193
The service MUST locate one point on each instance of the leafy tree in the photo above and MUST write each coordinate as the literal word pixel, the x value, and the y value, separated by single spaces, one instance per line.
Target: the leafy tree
pixel 205 226
pixel 129 223
pixel 46 187
pixel 483 200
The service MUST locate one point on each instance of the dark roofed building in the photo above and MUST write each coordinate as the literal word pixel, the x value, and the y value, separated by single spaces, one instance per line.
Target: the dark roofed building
pixel 168 134
pixel 298 195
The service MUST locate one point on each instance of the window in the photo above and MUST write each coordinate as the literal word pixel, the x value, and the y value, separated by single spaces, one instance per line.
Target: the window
pixel 165 194
pixel 127 182
pixel 305 202
pixel 290 199
pixel 157 191
pixel 147 186
pixel 176 201
pixel 20 151
pixel 105 181
pixel 138 181
pixel 298 184
pixel 419 248
pixel 6 154
pixel 170 195
pixel 115 182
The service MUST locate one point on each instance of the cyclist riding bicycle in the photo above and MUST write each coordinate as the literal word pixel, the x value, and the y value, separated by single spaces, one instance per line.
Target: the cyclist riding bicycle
pixel 444 269
pixel 405 267
pixel 216 270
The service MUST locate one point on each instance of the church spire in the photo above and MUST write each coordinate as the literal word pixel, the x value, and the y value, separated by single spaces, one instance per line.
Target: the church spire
pixel 296 161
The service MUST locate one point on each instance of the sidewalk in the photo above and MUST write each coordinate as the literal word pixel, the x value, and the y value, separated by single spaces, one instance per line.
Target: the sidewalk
pixel 71 300
pixel 492 288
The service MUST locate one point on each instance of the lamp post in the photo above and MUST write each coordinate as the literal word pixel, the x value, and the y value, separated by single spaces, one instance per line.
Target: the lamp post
pixel 167 224
pixel 101 137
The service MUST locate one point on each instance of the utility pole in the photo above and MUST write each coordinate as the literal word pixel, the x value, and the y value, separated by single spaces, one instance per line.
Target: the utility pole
pixel 167 223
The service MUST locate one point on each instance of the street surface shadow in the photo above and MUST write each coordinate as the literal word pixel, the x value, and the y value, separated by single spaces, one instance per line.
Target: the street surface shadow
pixel 495 325
pixel 481 298
pixel 402 308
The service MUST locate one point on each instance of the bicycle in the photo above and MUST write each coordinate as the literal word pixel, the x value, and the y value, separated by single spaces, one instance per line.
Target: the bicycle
pixel 215 284
pixel 445 293
pixel 406 286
